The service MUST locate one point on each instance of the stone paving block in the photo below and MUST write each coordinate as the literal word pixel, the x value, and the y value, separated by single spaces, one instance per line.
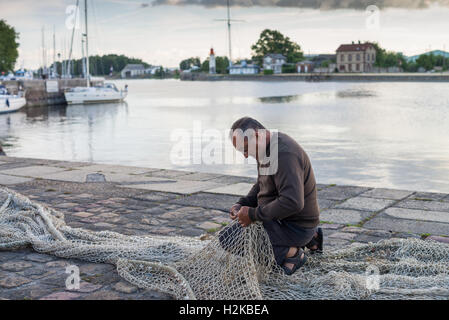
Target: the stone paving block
pixel 15 265
pixel 125 287
pixel 387 194
pixel 32 171
pixel 199 176
pixel 9 180
pixel 179 186
pixel 39 257
pixel 422 215
pixel 343 216
pixel 234 179
pixel 365 204
pixel 238 189
pixel 326 203
pixel 156 196
pixel 209 225
pixel 63 295
pixel 423 196
pixel 208 200
pixel 81 176
pixel 368 238
pixel 108 168
pixel 169 173
pixel 439 239
pixel 343 235
pixel 341 192
pixel 384 222
pixel 13 281
pixel 331 226
pixel 424 205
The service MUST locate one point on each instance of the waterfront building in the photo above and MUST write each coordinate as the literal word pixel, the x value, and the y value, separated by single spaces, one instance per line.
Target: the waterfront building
pixel 359 57
pixel 305 66
pixel 133 70
pixel 434 52
pixel 244 68
pixel 212 65
pixel 274 61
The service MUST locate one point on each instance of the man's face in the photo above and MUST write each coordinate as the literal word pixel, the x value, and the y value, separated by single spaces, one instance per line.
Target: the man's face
pixel 246 145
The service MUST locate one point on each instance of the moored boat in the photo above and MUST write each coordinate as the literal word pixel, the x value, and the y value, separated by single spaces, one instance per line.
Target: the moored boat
pixel 10 102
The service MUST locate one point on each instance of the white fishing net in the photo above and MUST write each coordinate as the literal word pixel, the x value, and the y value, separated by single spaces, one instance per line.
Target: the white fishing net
pixel 235 265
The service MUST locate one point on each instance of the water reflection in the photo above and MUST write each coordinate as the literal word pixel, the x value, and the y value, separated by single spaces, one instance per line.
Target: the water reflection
pixel 355 94
pixel 279 99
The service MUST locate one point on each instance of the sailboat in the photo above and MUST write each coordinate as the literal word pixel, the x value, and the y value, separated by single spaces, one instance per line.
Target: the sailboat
pixel 97 94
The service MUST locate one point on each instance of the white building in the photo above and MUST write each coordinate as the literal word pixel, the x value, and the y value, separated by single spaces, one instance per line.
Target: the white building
pixel 133 70
pixel 244 68
pixel 274 61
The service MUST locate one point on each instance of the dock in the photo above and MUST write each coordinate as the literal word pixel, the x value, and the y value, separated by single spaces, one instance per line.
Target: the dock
pixel 151 201
pixel 45 92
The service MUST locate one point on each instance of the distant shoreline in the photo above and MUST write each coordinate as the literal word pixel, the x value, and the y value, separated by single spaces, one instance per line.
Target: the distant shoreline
pixel 367 77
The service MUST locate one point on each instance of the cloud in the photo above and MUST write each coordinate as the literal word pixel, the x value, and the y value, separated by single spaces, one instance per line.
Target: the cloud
pixel 311 4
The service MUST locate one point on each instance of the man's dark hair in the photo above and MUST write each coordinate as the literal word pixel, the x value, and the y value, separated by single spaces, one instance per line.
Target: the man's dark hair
pixel 246 123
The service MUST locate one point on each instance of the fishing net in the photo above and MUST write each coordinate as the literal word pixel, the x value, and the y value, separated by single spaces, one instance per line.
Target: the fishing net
pixel 233 265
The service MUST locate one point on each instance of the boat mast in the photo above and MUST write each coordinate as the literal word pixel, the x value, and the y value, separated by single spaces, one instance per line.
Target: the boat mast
pixel 87 45
pixel 229 34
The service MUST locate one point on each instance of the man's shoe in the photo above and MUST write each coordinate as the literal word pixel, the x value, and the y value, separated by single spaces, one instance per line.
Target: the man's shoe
pixel 296 260
pixel 316 241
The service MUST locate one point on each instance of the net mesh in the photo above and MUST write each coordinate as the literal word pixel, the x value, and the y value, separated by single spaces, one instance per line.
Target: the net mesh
pixel 237 265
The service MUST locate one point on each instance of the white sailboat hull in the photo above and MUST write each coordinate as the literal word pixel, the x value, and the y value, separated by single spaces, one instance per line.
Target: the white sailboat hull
pixel 94 95
pixel 11 103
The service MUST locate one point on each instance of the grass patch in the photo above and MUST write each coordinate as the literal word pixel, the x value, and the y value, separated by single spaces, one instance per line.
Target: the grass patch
pixel 424 235
pixel 212 230
pixel 50 190
pixel 422 199
pixel 353 225
pixel 332 185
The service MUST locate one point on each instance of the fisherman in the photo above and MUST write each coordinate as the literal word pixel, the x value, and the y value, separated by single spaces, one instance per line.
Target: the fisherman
pixel 284 197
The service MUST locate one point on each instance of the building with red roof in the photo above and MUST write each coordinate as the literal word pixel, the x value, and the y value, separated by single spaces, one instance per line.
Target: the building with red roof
pixel 356 57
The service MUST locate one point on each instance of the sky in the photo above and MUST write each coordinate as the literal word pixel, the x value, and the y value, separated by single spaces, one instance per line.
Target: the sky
pixel 163 32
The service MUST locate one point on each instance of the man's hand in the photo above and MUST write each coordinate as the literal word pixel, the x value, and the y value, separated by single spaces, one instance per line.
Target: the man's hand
pixel 234 211
pixel 243 216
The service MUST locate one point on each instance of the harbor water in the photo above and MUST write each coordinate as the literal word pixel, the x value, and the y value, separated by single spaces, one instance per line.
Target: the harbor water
pixel 378 134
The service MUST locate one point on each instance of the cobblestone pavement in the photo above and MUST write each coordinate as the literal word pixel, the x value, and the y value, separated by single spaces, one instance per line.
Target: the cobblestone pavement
pixel 144 201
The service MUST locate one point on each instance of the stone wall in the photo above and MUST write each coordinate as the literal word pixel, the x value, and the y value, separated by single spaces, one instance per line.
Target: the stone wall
pixel 416 77
pixel 36 93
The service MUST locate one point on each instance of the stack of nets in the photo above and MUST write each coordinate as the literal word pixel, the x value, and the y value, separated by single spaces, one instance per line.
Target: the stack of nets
pixel 188 268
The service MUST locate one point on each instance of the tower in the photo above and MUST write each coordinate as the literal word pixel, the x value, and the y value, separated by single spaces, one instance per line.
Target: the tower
pixel 212 68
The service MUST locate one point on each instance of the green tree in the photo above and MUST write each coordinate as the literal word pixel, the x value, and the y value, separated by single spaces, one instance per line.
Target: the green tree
pixel 427 61
pixel 190 62
pixel 8 47
pixel 386 59
pixel 101 65
pixel 272 41
pixel 221 65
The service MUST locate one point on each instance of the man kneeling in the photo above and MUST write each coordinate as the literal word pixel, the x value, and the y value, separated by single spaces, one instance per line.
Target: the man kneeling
pixel 284 197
